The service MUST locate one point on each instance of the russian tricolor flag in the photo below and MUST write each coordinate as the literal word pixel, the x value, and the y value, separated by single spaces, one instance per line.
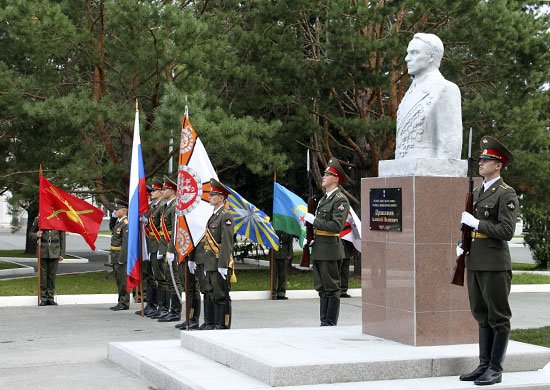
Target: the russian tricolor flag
pixel 137 206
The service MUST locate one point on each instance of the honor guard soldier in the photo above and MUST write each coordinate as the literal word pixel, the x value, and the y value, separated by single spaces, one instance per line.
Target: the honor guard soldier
pixel 171 274
pixel 52 251
pixel 213 257
pixel 281 258
pixel 488 262
pixel 327 250
pixel 150 283
pixel 119 252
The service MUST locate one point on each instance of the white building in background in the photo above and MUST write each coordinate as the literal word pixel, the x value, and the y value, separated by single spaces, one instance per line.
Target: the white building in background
pixel 5 216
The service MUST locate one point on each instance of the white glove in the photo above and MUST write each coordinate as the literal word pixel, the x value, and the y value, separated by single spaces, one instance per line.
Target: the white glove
pixel 223 272
pixel 470 220
pixel 169 256
pixel 160 257
pixel 309 218
pixel 459 251
pixel 143 219
pixel 192 267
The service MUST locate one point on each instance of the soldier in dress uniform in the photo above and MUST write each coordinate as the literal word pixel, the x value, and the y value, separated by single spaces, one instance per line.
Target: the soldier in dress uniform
pixel 281 257
pixel 52 251
pixel 166 245
pixel 152 268
pixel 213 256
pixel 488 262
pixel 119 252
pixel 349 255
pixel 327 249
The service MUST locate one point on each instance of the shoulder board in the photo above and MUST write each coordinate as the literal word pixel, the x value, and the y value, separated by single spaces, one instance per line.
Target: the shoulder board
pixel 125 221
pixel 339 195
pixel 504 186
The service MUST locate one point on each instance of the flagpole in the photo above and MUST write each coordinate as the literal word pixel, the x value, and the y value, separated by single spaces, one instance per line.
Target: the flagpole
pixel 187 300
pixel 39 241
pixel 141 238
pixel 272 257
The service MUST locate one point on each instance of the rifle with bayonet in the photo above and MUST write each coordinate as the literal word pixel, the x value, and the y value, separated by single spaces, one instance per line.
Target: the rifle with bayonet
pixel 309 227
pixel 466 241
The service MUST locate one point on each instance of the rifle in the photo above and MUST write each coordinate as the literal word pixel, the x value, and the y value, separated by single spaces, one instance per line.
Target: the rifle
pixel 458 276
pixel 309 227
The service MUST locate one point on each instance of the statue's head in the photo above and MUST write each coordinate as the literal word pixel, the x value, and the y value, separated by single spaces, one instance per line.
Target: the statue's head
pixel 425 51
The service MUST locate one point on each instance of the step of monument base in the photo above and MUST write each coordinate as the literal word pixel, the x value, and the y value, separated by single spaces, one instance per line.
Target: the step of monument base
pixel 341 356
pixel 305 356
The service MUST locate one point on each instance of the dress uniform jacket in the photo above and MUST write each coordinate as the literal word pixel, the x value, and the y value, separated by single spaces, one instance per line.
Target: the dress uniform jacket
pixel 497 210
pixel 119 237
pixel 52 243
pixel 153 215
pixel 330 217
pixel 169 218
pixel 220 225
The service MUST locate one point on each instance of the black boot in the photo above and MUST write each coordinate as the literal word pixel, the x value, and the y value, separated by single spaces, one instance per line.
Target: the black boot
pixel 175 310
pixel 333 311
pixel 164 304
pixel 224 316
pixel 150 298
pixel 323 310
pixel 493 374
pixel 217 316
pixel 485 348
pixel 194 313
pixel 209 318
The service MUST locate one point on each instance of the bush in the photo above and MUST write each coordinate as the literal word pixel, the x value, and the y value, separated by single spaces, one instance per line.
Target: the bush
pixel 537 236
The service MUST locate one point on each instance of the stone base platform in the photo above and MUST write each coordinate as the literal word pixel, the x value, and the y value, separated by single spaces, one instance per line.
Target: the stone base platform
pixel 315 357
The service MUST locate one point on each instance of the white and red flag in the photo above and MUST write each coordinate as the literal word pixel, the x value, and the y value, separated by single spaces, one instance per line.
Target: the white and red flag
pixel 352 230
pixel 192 207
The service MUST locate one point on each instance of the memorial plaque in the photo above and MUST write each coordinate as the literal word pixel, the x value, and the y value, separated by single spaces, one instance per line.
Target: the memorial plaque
pixel 385 209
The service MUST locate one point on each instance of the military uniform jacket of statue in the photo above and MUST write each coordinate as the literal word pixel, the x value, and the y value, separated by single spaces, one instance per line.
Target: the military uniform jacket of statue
pixel 221 228
pixel 168 218
pixel 153 218
pixel 52 243
pixel 431 104
pixel 497 210
pixel 119 240
pixel 330 217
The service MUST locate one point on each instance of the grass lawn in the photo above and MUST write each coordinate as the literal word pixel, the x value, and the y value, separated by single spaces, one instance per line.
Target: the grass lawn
pixel 4 265
pixel 537 336
pixel 21 253
pixel 103 283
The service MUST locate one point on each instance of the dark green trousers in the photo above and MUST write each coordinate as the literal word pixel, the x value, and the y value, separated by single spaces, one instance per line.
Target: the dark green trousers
pixel 48 272
pixel 120 278
pixel 326 278
pixel 488 292
pixel 279 278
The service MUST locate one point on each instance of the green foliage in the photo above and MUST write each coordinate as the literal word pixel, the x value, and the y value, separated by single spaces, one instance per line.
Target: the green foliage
pixel 538 233
pixel 264 81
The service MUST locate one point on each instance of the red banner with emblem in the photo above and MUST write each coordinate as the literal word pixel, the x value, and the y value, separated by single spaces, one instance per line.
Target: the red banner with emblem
pixel 192 204
pixel 59 210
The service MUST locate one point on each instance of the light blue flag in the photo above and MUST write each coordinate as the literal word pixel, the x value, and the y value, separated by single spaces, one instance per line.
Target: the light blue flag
pixel 250 221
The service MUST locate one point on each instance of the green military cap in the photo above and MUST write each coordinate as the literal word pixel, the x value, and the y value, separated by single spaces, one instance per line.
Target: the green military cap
pixel 156 184
pixel 218 188
pixel 169 183
pixel 335 168
pixel 492 149
pixel 120 204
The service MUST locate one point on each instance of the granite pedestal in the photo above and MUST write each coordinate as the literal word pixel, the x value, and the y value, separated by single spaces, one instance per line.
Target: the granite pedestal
pixel 406 275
